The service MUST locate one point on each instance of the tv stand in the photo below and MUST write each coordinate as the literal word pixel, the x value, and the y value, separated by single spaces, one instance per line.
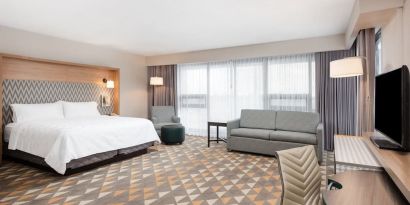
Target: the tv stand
pixel 396 164
pixel 385 144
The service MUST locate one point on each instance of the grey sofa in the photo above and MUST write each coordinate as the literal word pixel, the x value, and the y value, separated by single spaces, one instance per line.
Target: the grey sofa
pixel 268 131
pixel 163 115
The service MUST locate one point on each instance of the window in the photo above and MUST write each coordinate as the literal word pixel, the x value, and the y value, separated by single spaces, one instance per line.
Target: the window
pixel 291 84
pixel 378 53
pixel 249 85
pixel 192 96
pixel 218 91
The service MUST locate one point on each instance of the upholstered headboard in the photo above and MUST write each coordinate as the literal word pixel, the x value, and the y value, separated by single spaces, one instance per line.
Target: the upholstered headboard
pixel 34 91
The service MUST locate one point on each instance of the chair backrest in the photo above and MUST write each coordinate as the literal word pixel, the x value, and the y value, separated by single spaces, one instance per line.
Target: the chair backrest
pixel 163 113
pixel 300 175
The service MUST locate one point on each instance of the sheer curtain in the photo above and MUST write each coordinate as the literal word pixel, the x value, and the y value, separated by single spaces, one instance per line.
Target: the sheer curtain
pixel 249 78
pixel 218 91
pixel 221 94
pixel 290 83
pixel 233 86
pixel 192 97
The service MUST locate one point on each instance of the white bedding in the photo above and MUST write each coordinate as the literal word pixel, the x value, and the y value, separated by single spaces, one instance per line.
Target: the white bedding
pixel 60 141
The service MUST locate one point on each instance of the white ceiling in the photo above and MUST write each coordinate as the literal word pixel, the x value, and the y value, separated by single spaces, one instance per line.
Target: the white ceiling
pixel 153 27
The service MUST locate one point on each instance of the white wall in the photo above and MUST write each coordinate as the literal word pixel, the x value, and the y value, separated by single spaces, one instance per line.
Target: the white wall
pixel 392 42
pixel 396 40
pixel 310 45
pixel 406 32
pixel 375 5
pixel 133 73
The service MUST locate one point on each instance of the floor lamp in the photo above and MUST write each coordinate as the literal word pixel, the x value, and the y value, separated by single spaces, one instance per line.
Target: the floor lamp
pixel 155 81
pixel 348 67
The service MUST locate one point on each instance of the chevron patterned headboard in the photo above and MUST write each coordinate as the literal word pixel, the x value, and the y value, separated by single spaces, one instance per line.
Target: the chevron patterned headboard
pixel 34 91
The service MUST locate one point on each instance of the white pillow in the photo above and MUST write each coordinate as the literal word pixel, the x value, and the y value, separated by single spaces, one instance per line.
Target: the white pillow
pixel 80 109
pixel 32 112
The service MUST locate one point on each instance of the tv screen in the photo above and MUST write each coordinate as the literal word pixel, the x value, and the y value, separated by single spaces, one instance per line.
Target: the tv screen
pixel 390 104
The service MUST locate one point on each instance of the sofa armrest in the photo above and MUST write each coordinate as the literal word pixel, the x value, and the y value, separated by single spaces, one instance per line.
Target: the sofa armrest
pixel 231 125
pixel 154 120
pixel 176 119
pixel 320 140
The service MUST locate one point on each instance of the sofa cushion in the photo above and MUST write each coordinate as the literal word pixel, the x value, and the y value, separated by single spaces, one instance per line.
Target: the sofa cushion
pixel 251 133
pixel 263 119
pixel 297 137
pixel 297 121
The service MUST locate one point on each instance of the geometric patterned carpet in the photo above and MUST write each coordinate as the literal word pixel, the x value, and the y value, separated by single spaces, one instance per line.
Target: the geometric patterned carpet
pixel 190 173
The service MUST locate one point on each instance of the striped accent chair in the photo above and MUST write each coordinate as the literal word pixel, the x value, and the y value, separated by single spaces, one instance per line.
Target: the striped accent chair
pixel 300 175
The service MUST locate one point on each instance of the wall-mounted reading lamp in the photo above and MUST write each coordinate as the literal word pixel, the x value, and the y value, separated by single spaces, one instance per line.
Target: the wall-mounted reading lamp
pixel 106 98
pixel 109 83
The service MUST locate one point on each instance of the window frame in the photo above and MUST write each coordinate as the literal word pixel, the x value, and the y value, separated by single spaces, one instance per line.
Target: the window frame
pixel 378 52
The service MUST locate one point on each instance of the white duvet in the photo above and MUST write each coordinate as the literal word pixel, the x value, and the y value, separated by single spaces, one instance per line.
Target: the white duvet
pixel 60 141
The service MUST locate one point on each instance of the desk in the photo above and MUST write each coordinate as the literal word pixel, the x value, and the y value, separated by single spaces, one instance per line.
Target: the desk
pixel 353 151
pixel 364 187
pixel 217 125
pixel 396 165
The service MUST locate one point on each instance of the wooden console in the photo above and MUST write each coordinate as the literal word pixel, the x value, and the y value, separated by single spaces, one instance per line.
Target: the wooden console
pixel 396 164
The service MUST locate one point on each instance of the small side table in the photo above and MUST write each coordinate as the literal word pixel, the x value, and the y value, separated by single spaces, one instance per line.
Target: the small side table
pixel 217 125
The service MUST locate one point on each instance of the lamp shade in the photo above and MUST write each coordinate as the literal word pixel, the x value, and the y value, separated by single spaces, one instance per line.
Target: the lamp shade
pixel 156 81
pixel 110 84
pixel 347 67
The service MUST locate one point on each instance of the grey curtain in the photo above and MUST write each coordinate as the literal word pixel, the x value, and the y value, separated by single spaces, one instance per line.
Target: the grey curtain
pixel 337 97
pixel 366 47
pixel 163 95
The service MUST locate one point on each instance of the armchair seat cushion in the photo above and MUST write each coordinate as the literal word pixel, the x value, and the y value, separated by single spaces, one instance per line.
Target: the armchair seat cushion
pixel 251 133
pixel 297 137
pixel 159 125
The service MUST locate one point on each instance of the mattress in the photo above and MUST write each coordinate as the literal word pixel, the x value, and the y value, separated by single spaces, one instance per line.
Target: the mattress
pixel 7 131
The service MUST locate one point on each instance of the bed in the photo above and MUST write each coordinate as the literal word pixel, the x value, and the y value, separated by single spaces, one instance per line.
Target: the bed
pixel 77 142
pixel 27 80
pixel 72 135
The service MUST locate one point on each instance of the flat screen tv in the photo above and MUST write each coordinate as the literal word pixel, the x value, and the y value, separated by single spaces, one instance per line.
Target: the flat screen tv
pixel 392 109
